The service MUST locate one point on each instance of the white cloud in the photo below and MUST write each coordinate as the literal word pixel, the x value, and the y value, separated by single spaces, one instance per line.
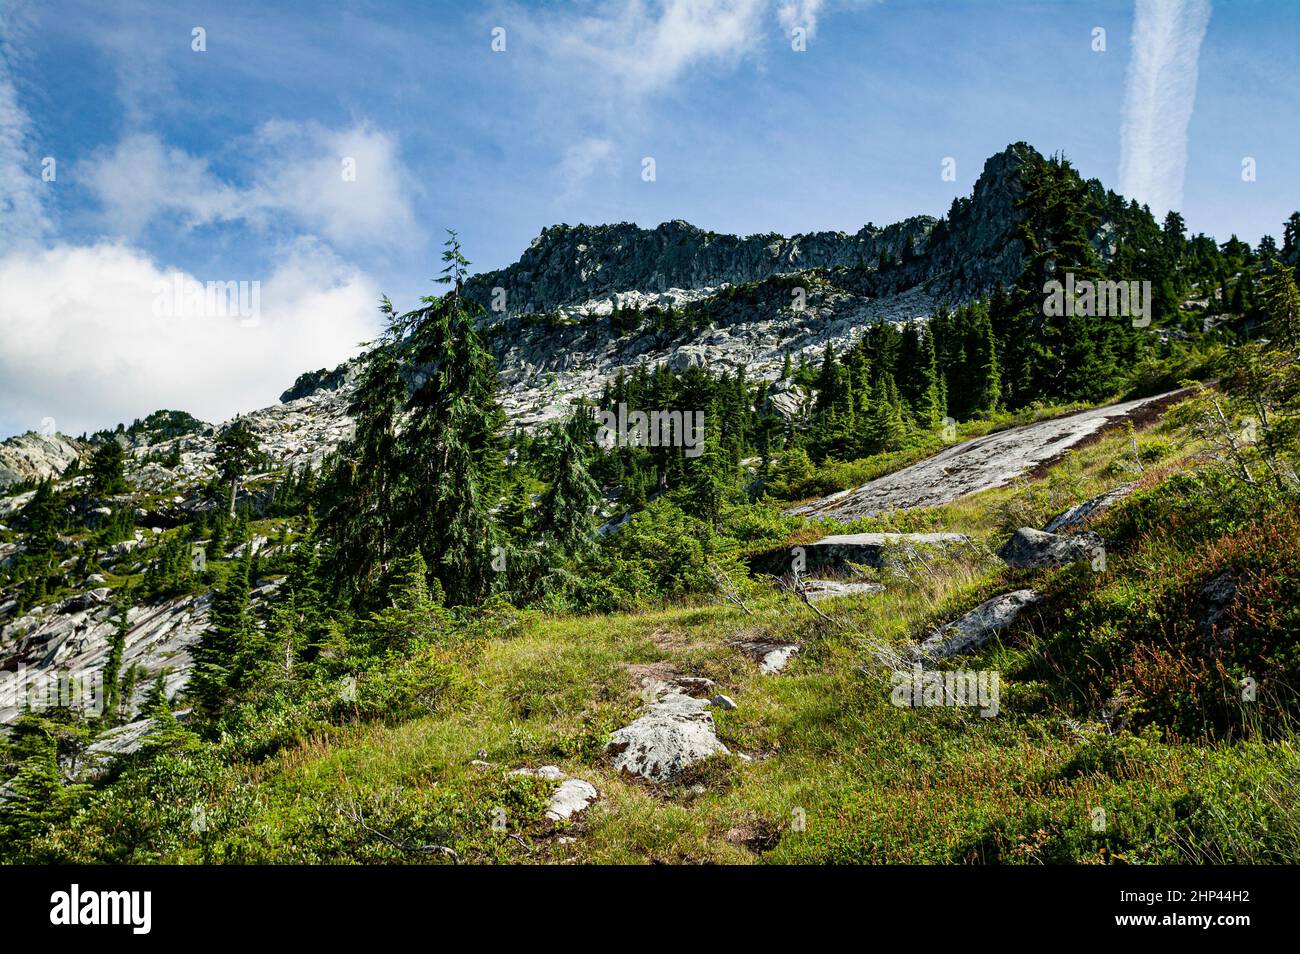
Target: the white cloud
pixel 799 13
pixel 583 159
pixel 646 46
pixel 1158 100
pixel 23 217
pixel 296 171
pixel 82 342
pixel 142 178
pixel 301 173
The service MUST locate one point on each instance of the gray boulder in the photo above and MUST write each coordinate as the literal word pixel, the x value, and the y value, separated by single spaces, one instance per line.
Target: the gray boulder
pixel 1030 549
pixel 1215 600
pixel 1080 513
pixel 826 589
pixel 834 553
pixel 873 549
pixel 675 732
pixel 978 626
pixel 772 658
pixel 119 741
pixel 572 797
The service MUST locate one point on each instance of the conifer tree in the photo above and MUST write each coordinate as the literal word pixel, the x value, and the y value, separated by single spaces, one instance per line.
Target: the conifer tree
pixel 709 477
pixel 930 406
pixel 884 424
pixel 107 468
pixel 217 656
pixel 415 613
pixel 452 448
pixel 567 504
pixel 985 378
pixel 1282 304
pixel 113 665
pixel 236 452
pixel 361 493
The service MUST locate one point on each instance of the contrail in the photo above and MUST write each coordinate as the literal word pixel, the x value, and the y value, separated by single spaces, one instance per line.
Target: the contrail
pixel 1158 98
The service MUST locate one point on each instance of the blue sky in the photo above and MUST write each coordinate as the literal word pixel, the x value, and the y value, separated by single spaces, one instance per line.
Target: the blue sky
pixel 224 164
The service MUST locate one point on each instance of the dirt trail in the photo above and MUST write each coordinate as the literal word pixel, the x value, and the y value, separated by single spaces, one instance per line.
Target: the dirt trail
pixel 982 463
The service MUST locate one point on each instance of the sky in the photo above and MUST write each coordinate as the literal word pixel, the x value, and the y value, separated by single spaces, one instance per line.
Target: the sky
pixel 317 153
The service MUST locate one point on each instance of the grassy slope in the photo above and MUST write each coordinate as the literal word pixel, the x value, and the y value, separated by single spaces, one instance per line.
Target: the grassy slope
pixel 874 782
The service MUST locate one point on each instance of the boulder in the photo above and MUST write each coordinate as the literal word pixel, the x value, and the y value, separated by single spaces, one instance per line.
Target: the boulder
pixel 836 553
pixel 675 732
pixel 1216 598
pixel 978 626
pixel 1076 516
pixel 825 589
pixel 572 797
pixel 772 658
pixel 1030 549
pixel 118 741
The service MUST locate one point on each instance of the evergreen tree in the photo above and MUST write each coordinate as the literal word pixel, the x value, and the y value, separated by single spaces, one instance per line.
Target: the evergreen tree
pixel 1282 304
pixel 37 798
pixel 415 613
pixel 360 497
pixel 884 424
pixel 571 496
pixel 113 701
pixel 107 468
pixel 985 378
pixel 452 448
pixel 236 453
pixel 217 656
pixel 930 405
pixel 709 477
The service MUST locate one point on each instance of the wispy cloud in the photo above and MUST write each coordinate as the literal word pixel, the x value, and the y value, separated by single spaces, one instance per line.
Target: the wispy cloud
pixel 1158 100
pixel 23 215
pixel 799 13
pixel 296 171
pixel 583 159
pixel 646 46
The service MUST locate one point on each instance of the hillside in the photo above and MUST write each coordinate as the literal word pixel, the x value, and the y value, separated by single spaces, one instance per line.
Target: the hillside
pixel 901 564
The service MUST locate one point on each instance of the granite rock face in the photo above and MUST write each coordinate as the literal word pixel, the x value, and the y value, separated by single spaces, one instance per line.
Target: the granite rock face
pixel 1030 549
pixel 1077 516
pixel 549 316
pixel 982 463
pixel 33 456
pixel 978 626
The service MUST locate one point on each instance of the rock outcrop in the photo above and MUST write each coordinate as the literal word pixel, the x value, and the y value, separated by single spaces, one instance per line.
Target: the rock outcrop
pixel 675 732
pixel 33 456
pixel 983 463
pixel 772 658
pixel 830 589
pixel 1075 517
pixel 572 797
pixel 977 627
pixel 1030 549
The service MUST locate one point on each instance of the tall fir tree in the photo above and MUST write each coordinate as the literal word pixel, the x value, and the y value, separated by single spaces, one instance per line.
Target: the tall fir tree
pixel 565 511
pixel 452 448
